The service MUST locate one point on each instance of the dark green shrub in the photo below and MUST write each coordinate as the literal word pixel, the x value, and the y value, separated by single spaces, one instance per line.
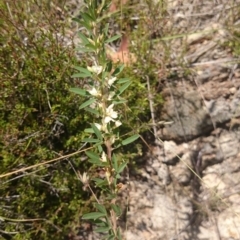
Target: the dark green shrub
pixel 39 120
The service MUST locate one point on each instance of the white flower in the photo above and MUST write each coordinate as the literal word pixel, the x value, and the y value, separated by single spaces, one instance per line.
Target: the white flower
pixel 110 114
pixel 118 123
pixel 112 139
pixel 104 157
pixel 99 126
pixel 102 128
pixel 83 178
pixel 95 69
pixel 111 81
pixel 94 92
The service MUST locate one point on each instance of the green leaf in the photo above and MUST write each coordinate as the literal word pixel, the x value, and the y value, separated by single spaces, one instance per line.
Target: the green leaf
pixel 82 75
pixel 92 14
pixel 109 67
pixel 93 155
pixel 93 215
pixel 91 46
pixel 100 182
pixel 101 208
pixel 81 69
pixel 119 237
pixel 121 167
pixel 106 29
pixel 115 164
pixel 90 140
pixel 124 87
pixel 123 80
pixel 96 131
pixel 87 18
pixel 96 163
pixel 100 149
pixel 111 237
pixel 79 91
pixel 83 38
pixel 88 130
pixel 84 50
pixel 116 209
pixel 87 103
pixel 119 102
pixel 86 25
pixel 118 70
pixel 130 139
pixel 113 38
pixel 91 110
pixel 102 229
pixel 76 20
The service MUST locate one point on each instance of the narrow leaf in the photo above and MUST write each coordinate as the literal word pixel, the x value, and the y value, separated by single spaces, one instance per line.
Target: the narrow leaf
pixel 113 38
pixel 87 103
pixel 91 110
pixel 88 130
pixel 116 209
pixel 118 70
pixel 87 18
pixel 115 164
pixel 79 91
pixel 119 102
pixel 90 140
pixel 121 167
pixel 119 237
pixel 101 208
pixel 124 87
pixel 91 46
pixel 101 229
pixel 100 182
pixel 84 50
pixel 82 75
pixel 123 80
pixel 111 237
pixel 93 215
pixel 106 29
pixel 96 131
pixel 130 139
pixel 109 66
pixel 96 162
pixel 81 69
pixel 83 38
pixel 92 155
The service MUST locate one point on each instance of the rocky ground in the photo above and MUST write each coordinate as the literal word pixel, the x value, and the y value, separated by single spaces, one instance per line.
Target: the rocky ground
pixel 189 187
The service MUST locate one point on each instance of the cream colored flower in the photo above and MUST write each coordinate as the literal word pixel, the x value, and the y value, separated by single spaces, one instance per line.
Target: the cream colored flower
pixel 94 92
pixel 118 123
pixel 104 157
pixel 102 127
pixel 112 139
pixel 110 114
pixel 83 178
pixel 111 80
pixel 95 69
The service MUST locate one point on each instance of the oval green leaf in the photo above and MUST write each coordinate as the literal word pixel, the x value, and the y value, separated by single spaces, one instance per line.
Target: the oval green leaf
pixel 113 38
pixel 124 87
pixel 79 91
pixel 93 215
pixel 130 139
pixel 87 103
